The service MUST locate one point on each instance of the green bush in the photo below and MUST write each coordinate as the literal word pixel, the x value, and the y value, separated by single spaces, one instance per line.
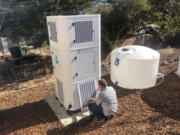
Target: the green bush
pixel 30 23
pixel 121 20
pixel 118 22
pixel 124 18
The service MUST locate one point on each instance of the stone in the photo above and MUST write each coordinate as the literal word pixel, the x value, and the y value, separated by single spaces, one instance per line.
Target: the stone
pixel 176 59
pixel 164 63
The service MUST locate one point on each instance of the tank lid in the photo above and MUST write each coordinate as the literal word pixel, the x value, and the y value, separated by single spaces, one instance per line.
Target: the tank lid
pixel 136 52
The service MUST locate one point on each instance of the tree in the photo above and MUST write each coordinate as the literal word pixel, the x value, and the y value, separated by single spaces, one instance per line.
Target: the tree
pixel 166 14
pixel 30 21
pixel 121 20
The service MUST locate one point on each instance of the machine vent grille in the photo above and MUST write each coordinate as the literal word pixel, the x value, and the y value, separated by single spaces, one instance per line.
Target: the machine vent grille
pixel 83 31
pixel 86 91
pixel 60 90
pixel 53 32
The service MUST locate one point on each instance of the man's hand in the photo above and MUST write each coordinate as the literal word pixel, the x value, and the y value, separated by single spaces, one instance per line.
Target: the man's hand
pixel 98 89
pixel 91 100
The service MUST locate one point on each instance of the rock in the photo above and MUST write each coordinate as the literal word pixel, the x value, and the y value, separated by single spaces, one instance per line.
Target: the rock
pixel 23 87
pixel 15 88
pixel 103 65
pixel 164 63
pixel 39 81
pixel 167 51
pixel 172 61
pixel 176 59
pixel 47 81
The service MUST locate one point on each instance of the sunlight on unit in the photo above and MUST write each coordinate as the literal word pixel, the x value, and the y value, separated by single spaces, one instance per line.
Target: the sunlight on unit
pixel 75 47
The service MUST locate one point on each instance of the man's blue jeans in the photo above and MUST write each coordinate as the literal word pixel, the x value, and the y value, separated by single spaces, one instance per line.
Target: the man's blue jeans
pixel 96 110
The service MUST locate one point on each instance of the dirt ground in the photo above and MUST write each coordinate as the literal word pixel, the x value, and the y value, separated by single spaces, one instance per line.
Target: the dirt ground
pixel 154 111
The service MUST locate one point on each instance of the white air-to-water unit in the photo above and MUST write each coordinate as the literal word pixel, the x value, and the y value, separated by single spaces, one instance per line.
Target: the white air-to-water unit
pixel 134 67
pixel 75 46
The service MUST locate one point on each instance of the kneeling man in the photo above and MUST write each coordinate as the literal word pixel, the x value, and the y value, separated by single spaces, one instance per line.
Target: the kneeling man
pixel 104 106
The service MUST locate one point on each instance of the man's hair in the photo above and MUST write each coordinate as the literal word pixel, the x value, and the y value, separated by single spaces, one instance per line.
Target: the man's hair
pixel 102 83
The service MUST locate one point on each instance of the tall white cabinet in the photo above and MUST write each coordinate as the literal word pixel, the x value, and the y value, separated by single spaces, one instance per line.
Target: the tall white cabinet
pixel 75 43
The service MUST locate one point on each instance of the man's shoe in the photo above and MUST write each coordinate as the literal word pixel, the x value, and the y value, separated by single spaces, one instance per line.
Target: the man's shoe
pixel 109 117
pixel 100 120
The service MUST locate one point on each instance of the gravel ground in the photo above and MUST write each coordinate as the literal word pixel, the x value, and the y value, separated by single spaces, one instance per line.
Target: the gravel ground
pixel 154 111
pixel 169 60
pixel 151 111
pixel 26 113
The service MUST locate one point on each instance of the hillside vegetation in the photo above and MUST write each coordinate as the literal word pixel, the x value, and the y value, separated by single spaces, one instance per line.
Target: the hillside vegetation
pixel 119 21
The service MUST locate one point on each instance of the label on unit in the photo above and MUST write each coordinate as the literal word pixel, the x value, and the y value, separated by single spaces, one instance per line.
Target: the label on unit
pixel 56 59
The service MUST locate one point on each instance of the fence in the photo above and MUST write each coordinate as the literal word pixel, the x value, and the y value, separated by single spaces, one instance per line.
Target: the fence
pixel 26 68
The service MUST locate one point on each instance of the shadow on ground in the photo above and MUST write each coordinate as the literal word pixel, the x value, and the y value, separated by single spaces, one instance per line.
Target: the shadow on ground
pixel 165 98
pixel 73 128
pixel 25 116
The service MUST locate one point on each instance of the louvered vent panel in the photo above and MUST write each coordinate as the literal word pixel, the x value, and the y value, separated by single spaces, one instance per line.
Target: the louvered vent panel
pixel 83 31
pixel 60 89
pixel 53 32
pixel 86 91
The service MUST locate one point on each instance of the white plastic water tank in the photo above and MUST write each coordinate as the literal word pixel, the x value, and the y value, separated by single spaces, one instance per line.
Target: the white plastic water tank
pixel 134 67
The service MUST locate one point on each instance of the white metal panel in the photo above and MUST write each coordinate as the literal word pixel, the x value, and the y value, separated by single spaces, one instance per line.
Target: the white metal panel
pixel 76 99
pixel 85 64
pixel 97 62
pixel 59 92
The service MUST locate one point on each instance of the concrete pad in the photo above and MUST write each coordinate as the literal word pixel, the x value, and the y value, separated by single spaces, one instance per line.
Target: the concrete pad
pixel 61 112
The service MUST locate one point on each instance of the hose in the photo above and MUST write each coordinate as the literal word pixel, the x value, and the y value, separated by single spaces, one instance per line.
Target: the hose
pixel 159 75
